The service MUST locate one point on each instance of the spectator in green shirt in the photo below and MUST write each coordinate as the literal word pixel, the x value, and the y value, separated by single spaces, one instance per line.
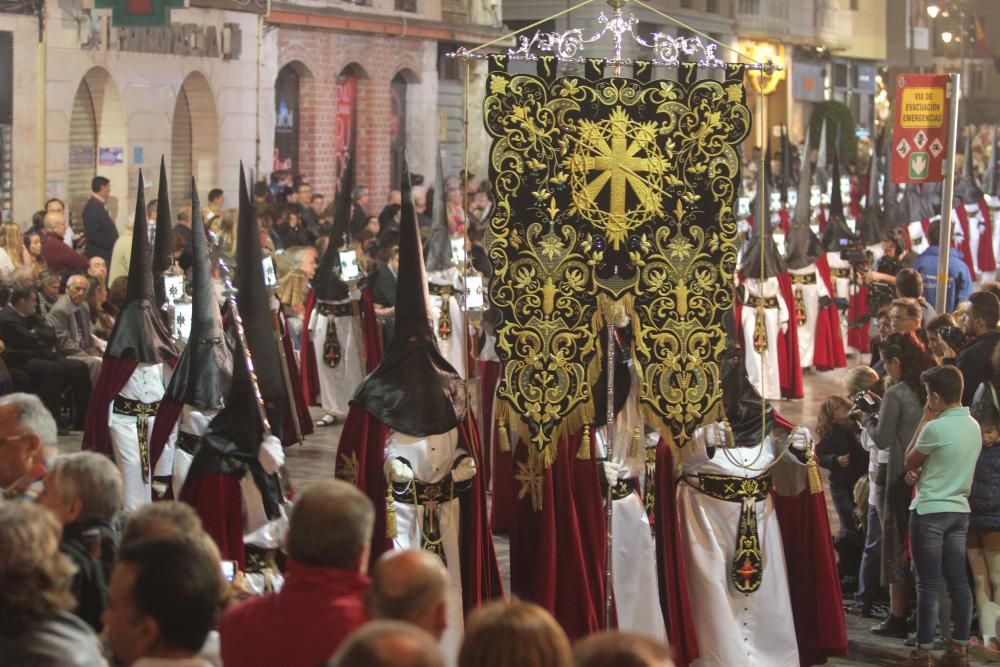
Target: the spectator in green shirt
pixel 942 461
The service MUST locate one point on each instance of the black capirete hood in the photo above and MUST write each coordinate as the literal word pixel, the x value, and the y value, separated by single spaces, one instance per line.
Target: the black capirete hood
pixel 774 265
pixel 414 390
pixel 786 166
pixel 437 251
pixel 204 372
pixel 967 190
pixel 139 332
pixel 873 227
pixel 255 305
pixel 802 246
pixel 327 284
pixel 836 224
pixel 740 400
pixel 163 242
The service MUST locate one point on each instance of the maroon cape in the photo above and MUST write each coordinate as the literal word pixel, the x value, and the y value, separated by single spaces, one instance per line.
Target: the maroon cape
pixel 218 500
pixel 97 433
pixel 829 352
pixel 499 461
pixel 964 246
pixel 296 401
pixel 984 254
pixel 557 554
pixel 813 580
pixel 360 459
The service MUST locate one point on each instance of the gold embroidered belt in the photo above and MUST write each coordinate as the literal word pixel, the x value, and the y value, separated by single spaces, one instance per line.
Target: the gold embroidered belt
pixel 840 273
pixel 763 302
pixel 444 318
pixel 624 488
pixel 431 496
pixel 142 412
pixel 333 352
pixel 806 279
pixel 747 567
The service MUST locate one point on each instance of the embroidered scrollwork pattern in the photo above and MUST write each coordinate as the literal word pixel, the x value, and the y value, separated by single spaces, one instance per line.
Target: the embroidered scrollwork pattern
pixel 611 189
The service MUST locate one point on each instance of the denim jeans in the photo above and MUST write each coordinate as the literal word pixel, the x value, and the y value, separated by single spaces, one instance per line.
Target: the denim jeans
pixel 843 502
pixel 937 542
pixel 871 560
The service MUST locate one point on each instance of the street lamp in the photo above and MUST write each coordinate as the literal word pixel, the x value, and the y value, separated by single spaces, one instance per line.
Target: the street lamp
pixel 933 10
pixel 946 36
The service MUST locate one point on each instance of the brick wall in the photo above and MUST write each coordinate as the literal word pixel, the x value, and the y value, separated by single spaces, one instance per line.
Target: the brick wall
pixel 321 56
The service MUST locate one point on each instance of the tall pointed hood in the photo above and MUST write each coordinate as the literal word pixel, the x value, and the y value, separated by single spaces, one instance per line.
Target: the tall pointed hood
pixel 163 244
pixel 205 371
pixel 821 159
pixel 764 243
pixel 991 181
pixel 836 228
pixel 437 251
pixel 768 172
pixel 967 189
pixel 327 284
pixel 802 246
pixel 786 166
pixel 255 303
pixel 139 332
pixel 872 227
pixel 414 390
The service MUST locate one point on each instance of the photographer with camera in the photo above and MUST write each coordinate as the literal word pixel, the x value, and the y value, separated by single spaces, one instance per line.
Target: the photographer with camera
pixel 980 325
pixel 944 338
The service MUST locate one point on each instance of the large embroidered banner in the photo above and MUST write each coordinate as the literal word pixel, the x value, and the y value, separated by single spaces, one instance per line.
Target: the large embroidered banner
pixel 611 191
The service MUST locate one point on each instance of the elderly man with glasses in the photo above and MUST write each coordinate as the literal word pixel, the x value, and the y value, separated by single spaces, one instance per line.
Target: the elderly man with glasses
pixel 27 436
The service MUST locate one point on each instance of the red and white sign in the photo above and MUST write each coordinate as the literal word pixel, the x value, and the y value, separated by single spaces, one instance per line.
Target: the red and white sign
pixel 920 127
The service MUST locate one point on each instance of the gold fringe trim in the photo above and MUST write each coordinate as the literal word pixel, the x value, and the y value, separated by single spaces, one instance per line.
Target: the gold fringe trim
pixel 583 452
pixel 812 471
pixel 636 441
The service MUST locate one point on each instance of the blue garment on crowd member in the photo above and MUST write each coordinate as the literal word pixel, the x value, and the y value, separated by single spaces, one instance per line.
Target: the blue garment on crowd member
pixel 984 499
pixel 959 277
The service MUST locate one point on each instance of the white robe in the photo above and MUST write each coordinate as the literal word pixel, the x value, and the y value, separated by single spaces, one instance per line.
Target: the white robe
pixel 147 384
pixel 811 294
pixel 452 349
pixel 762 368
pixel 633 551
pixel 337 385
pixel 734 629
pixel 431 458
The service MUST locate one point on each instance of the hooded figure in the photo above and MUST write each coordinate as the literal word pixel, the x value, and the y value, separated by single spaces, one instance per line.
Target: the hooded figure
pixel 163 242
pixel 837 235
pixel 821 159
pixel 334 322
pixel 973 213
pixel 134 374
pixel 445 286
pixel 764 316
pixel 412 446
pixel 802 250
pixel 202 378
pixel 872 227
pixel 755 554
pixel 785 180
pixel 991 181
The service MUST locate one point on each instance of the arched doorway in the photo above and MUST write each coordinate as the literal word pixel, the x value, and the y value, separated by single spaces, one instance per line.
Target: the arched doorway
pixel 397 123
pixel 346 121
pixel 194 140
pixel 97 136
pixel 287 119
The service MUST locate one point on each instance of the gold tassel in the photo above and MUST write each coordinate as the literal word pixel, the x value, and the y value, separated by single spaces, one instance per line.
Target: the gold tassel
pixel 504 438
pixel 583 453
pixel 812 470
pixel 636 441
pixel 800 307
pixel 391 531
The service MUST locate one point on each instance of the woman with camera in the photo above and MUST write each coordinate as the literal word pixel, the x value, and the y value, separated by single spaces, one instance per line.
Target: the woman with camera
pixel 905 358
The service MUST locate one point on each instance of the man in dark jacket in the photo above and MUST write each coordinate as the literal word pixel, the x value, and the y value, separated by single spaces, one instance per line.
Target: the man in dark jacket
pixel 97 223
pixel 975 360
pixel 84 492
pixel 31 351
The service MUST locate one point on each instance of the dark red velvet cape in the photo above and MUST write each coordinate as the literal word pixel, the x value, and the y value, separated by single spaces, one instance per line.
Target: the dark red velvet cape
pixel 985 254
pixel 789 365
pixel 557 554
pixel 114 375
pixel 964 247
pixel 362 449
pixel 218 500
pixel 829 349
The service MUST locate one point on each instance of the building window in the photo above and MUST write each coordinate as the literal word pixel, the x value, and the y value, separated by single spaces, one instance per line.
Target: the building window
pixel 406 6
pixel 749 7
pixel 687 4
pixel 712 6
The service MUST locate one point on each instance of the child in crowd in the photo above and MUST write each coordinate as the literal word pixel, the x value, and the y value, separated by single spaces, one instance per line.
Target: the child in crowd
pixel 983 543
pixel 840 452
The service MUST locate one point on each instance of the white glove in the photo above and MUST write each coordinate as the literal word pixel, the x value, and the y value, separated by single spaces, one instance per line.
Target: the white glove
pixel 465 470
pixel 399 472
pixel 611 470
pixel 271 454
pixel 801 438
pixel 715 434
